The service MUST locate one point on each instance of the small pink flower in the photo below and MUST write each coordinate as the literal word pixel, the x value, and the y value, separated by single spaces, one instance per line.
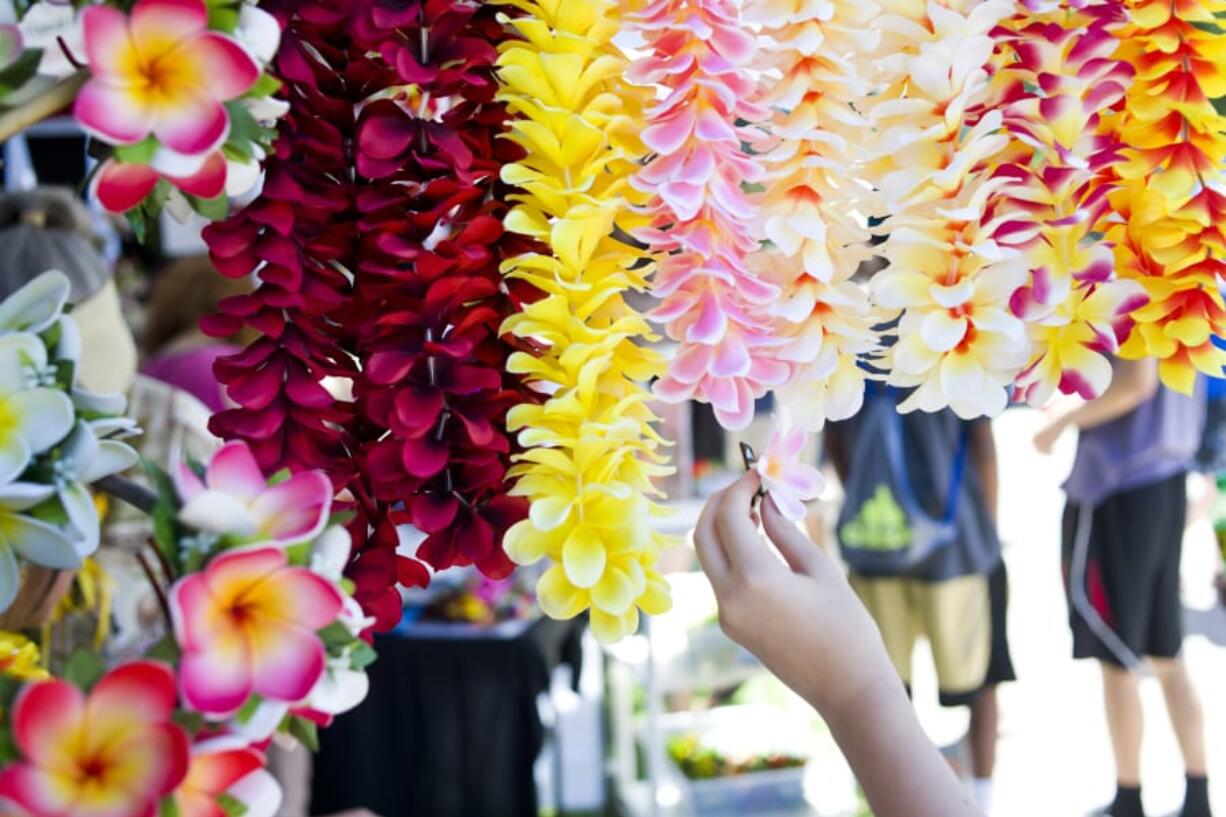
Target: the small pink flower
pixel 247 624
pixel 161 71
pixel 120 186
pixel 788 481
pixel 236 500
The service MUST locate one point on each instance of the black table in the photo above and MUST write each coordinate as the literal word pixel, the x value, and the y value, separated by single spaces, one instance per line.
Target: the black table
pixel 450 728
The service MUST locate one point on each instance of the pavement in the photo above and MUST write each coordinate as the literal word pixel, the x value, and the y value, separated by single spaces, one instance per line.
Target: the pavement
pixel 1054 758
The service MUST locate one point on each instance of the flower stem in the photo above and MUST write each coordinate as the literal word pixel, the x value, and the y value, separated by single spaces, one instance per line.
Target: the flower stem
pixel 138 496
pixel 47 103
pixel 163 603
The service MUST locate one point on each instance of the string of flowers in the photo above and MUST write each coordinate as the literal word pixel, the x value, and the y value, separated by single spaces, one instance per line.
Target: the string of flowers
pixel 262 636
pixel 712 303
pixel 428 301
pixel 590 449
pixel 1172 197
pixel 957 345
pixel 1056 83
pixel 811 210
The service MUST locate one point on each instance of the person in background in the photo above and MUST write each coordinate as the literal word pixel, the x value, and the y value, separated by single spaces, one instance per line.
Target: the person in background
pixel 49 228
pixel 1123 538
pixel 957 596
pixel 800 617
pixel 176 351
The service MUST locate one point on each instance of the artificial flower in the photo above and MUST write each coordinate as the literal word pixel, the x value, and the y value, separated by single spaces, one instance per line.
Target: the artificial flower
pixel 43 26
pixel 114 752
pixel 1056 83
pixel 34 416
pixel 712 301
pixel 29 538
pixel 81 460
pixel 20 658
pixel 120 186
pixel 246 624
pixel 788 481
pixel 235 500
pixel 218 767
pixel 1172 178
pixel 159 70
pixel 590 449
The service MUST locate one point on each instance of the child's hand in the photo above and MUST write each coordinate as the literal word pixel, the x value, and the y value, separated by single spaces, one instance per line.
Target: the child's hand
pixel 801 619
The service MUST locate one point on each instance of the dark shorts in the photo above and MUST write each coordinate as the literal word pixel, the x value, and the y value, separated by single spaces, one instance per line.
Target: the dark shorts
pixel 1121 571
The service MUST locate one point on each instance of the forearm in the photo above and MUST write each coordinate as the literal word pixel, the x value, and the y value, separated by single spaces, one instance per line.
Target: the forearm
pixel 1134 383
pixel 901 771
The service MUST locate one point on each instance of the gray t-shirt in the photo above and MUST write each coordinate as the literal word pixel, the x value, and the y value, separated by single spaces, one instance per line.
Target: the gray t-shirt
pixel 1153 442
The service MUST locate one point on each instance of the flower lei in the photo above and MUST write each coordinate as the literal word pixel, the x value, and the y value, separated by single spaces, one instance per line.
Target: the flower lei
pixel 1058 84
pixel 174 95
pixel 808 210
pixel 1173 184
pixel 262 637
pixel 590 449
pixel 428 298
pixel 58 439
pixel 712 302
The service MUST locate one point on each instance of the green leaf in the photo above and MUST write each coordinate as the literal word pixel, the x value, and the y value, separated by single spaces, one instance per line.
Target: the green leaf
pixel 16 75
pixel 50 510
pixel 280 476
pixel 223 15
pixel 193 722
pixel 336 636
pixel 348 586
pixel 65 374
pixel 8 748
pixel 266 85
pixel 341 518
pixel 231 806
pixel 299 555
pixel 306 732
pixel 83 669
pixel 138 223
pixel 166 650
pixel 248 709
pixel 243 127
pixel 214 209
pixel 169 808
pixel 362 656
pixel 1220 105
pixel 139 154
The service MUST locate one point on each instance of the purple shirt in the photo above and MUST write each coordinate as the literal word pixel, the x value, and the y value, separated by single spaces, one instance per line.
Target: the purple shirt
pixel 192 371
pixel 1153 442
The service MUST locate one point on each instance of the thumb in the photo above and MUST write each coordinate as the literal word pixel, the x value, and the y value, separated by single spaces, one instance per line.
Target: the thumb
pixel 796 547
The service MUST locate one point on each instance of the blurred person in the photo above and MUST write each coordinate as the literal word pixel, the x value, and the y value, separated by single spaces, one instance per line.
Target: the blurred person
pixel 1123 539
pixel 176 351
pixel 918 533
pixel 800 617
pixel 49 228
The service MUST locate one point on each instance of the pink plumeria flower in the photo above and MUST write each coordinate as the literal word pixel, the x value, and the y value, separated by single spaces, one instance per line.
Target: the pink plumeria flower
pixel 112 753
pixel 248 624
pixel 235 500
pixel 788 481
pixel 161 71
pixel 120 186
pixel 226 765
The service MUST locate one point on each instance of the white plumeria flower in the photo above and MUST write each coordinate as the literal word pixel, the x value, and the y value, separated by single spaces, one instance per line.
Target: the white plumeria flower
pixel 330 553
pixel 31 419
pixel 339 689
pixel 83 460
pixel 259 792
pixel 36 305
pixel 43 26
pixel 259 33
pixel 31 539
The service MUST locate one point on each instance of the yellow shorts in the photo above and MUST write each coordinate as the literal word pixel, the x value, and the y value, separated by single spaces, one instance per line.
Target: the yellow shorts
pixel 954 615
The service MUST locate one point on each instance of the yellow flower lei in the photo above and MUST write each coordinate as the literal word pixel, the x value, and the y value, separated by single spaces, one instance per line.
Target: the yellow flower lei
pixel 591 450
pixel 1173 180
